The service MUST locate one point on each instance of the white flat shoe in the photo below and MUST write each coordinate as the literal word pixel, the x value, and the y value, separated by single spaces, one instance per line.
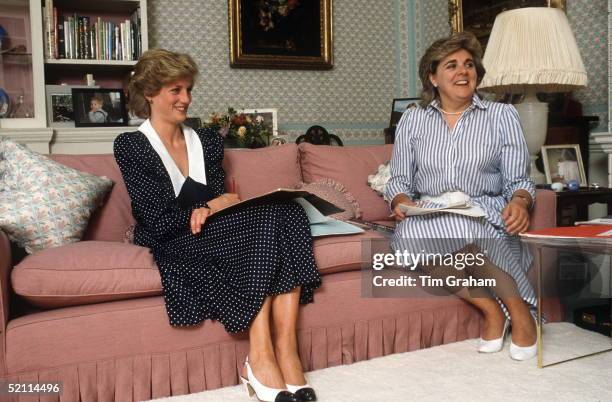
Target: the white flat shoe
pixel 263 393
pixel 524 352
pixel 493 345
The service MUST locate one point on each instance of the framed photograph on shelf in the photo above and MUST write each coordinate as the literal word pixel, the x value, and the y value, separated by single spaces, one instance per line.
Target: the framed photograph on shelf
pixel 563 163
pixel 60 111
pixel 269 116
pixel 399 106
pixel 293 34
pixel 99 107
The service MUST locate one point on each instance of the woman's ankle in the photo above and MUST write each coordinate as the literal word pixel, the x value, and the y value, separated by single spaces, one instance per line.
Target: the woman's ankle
pixel 524 331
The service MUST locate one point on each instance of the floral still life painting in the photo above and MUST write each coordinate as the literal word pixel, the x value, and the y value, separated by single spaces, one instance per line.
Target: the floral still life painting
pixel 241 130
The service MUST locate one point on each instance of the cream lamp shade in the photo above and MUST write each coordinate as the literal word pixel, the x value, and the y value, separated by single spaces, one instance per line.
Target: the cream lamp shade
pixel 532 50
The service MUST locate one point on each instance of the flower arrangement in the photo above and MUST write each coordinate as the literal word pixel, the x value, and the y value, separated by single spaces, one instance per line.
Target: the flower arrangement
pixel 271 11
pixel 240 129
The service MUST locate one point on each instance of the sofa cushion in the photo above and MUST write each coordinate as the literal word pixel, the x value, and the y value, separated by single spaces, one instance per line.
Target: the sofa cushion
pixel 86 272
pixel 109 222
pixel 257 171
pixel 43 203
pixel 97 271
pixel 350 166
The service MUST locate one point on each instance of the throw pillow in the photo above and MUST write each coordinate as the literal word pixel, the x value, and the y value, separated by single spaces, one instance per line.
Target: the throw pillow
pixel 350 166
pixel 378 181
pixel 334 192
pixel 43 203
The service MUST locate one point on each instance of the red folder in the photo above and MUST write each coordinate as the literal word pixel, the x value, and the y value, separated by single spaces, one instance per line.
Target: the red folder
pixel 572 232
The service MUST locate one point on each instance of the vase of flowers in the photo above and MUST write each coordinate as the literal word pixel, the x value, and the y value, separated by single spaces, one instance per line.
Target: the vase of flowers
pixel 240 130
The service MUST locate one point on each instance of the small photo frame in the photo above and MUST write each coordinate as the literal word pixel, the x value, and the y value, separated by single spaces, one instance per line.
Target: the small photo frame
pixel 269 116
pixel 399 106
pixel 99 107
pixel 563 163
pixel 60 111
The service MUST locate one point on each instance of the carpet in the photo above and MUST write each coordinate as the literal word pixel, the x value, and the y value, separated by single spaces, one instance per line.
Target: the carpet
pixel 457 372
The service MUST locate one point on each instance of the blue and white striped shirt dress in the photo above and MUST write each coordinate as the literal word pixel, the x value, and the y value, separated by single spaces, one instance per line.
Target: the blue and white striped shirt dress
pixel 485 156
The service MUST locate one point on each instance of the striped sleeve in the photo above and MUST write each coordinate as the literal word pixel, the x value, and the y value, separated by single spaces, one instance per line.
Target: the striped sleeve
pixel 402 162
pixel 514 155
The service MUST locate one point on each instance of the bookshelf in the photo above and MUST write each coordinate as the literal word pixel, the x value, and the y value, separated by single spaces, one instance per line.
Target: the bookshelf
pixel 112 48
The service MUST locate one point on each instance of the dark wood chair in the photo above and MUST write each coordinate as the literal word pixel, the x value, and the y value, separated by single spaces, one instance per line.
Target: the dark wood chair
pixel 318 135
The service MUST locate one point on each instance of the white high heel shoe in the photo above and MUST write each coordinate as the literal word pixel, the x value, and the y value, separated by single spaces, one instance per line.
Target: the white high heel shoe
pixel 263 393
pixel 524 352
pixel 493 345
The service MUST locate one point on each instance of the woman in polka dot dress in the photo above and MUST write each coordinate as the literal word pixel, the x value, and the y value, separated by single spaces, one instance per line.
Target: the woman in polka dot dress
pixel 250 269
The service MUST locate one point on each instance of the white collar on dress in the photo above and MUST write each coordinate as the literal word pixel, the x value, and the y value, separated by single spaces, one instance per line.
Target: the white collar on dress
pixel 195 155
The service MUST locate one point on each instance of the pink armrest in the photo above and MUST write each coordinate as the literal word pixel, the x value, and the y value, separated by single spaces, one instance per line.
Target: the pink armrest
pixel 5 272
pixel 544 214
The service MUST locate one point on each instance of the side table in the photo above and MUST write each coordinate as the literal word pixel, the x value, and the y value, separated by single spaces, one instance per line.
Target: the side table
pixel 579 239
pixel 573 206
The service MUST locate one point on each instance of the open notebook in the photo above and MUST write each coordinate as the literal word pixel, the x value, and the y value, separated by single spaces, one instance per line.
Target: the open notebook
pixel 316 209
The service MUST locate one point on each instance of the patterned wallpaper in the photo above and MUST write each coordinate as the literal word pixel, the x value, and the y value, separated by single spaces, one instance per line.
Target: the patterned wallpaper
pixel 377 45
pixel 589 21
pixel 609 64
pixel 352 100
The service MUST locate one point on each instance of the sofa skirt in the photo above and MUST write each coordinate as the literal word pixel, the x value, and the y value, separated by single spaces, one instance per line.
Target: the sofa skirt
pixel 142 377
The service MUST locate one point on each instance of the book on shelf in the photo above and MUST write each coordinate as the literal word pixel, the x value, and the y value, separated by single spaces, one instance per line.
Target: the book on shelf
pixel 461 208
pixel 87 37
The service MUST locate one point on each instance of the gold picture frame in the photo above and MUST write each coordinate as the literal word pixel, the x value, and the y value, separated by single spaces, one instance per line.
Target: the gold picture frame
pixel 478 16
pixel 294 35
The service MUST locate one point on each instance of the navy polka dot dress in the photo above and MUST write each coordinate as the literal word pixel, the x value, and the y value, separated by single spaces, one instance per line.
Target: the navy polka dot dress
pixel 224 272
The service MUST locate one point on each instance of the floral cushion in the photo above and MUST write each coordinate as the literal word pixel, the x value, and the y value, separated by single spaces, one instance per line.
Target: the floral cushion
pixel 43 203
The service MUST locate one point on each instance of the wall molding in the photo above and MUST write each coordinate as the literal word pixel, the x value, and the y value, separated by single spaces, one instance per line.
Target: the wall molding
pixel 37 139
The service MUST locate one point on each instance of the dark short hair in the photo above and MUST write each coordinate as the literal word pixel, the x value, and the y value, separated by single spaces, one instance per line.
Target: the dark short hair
pixel 438 51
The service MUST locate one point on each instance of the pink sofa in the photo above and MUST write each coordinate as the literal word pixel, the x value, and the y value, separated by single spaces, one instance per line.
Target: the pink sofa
pixel 91 314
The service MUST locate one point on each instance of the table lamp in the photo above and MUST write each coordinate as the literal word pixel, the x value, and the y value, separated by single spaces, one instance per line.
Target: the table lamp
pixel 532 50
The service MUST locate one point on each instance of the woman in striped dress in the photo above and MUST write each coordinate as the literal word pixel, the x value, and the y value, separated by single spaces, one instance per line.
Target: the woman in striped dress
pixel 457 147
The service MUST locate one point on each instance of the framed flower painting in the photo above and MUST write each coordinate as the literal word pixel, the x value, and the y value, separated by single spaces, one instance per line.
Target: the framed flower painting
pixel 281 34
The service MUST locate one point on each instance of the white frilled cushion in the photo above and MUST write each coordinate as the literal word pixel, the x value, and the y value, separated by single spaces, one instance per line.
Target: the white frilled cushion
pixel 378 181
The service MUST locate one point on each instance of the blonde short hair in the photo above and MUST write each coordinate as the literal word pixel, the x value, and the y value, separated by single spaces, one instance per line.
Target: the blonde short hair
pixel 156 68
pixel 438 51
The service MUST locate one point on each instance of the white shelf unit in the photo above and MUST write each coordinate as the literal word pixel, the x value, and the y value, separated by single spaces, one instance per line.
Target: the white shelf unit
pixel 46 71
pixel 35 48
pixel 92 62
